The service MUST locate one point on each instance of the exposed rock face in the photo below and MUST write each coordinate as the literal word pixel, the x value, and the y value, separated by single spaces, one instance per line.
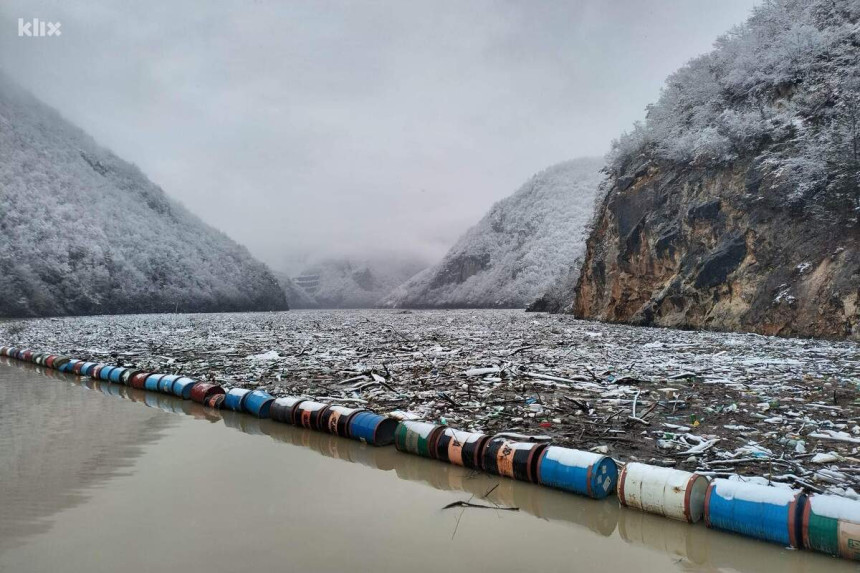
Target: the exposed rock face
pixel 714 248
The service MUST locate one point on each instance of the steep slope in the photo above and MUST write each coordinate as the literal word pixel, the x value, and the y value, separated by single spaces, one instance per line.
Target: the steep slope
pixel 735 205
pixel 350 282
pixel 521 247
pixel 83 232
pixel 297 297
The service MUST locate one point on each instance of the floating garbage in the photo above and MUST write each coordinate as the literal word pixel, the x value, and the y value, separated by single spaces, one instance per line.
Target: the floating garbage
pixel 517 460
pixel 235 398
pixel 417 438
pixel 372 428
pixel 307 414
pixel 183 386
pixel 335 420
pixel 665 491
pixel 258 403
pixel 461 448
pixel 831 524
pixel 204 390
pixel 585 473
pixel 755 510
pixel 283 409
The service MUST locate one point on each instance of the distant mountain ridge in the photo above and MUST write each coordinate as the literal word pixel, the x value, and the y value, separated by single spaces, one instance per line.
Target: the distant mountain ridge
pixel 84 232
pixel 524 245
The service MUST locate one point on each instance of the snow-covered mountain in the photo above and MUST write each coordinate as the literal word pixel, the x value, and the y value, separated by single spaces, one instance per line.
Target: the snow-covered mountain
pixel 526 243
pixel 84 232
pixel 350 282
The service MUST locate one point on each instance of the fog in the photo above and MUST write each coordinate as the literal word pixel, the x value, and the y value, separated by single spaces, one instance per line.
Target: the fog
pixel 305 129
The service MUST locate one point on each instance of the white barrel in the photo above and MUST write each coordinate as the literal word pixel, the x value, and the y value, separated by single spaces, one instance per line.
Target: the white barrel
pixel 663 491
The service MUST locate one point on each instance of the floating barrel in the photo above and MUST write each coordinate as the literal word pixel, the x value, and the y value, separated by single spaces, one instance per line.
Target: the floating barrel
pixel 138 380
pixel 335 420
pixel 760 511
pixel 831 524
pixel 283 409
pixel 258 403
pixel 49 361
pixel 234 398
pixel 115 375
pixel 307 414
pixel 165 385
pixel 665 491
pixel 215 401
pixel 105 372
pixel 183 386
pixel 461 448
pixel 87 368
pixel 35 358
pixel 125 379
pixel 417 438
pixel 585 473
pixel 94 373
pixel 61 361
pixel 69 366
pixel 152 382
pixel 26 355
pixel 203 390
pixel 518 460
pixel 372 428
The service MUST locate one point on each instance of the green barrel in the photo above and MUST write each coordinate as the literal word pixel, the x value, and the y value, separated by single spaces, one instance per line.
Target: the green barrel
pixel 417 438
pixel 831 524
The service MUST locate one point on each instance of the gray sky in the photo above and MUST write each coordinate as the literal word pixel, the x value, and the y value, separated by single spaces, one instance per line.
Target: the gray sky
pixel 347 127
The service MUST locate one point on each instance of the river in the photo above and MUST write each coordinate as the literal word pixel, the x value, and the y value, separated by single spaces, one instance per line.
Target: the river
pixel 93 480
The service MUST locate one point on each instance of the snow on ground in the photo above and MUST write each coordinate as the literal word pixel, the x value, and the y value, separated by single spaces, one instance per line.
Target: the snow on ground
pixel 717 402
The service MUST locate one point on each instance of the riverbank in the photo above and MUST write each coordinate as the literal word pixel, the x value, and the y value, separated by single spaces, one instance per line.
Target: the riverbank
pixel 718 403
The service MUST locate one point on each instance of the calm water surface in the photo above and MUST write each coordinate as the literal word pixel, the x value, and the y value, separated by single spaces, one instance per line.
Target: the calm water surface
pixel 91 479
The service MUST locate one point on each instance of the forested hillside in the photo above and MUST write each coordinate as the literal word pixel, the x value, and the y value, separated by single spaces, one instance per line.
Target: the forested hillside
pixel 84 232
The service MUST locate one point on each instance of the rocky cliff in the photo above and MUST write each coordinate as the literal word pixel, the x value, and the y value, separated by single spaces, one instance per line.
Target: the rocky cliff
pixel 735 205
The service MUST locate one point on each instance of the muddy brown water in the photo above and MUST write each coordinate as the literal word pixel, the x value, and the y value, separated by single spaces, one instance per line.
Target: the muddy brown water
pixel 93 480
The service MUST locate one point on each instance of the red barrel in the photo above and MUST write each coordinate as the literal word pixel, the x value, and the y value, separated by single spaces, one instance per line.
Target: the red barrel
pixel 138 380
pixel 308 414
pixel 77 367
pixel 49 361
pixel 205 390
pixel 517 460
pixel 335 420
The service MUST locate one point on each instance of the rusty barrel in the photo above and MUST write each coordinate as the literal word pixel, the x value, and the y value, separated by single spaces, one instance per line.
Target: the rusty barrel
pixel 152 381
pixel 183 387
pixel 755 510
pixel 664 491
pixel 308 413
pixel 283 409
pixel 258 403
pixel 335 420
pixel 234 399
pixel 49 361
pixel 125 379
pixel 372 428
pixel 831 524
pixel 139 380
pixel 461 448
pixel 585 473
pixel 215 401
pixel 417 438
pixel 517 460
pixel 202 391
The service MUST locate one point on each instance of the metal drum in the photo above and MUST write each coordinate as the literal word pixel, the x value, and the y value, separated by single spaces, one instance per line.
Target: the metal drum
pixel 116 374
pixel 283 409
pixel 104 373
pixel 215 401
pixel 138 380
pixel 95 373
pixel 417 438
pixel 307 414
pixel 585 473
pixel 203 390
pixel 87 368
pixel 183 386
pixel 26 355
pixel 335 420
pixel 258 403
pixel 125 379
pixel 67 365
pixel 234 399
pixel 760 511
pixel 831 524
pixel 152 382
pixel 665 491
pixel 49 361
pixel 517 460
pixel 165 385
pixel 461 448
pixel 372 428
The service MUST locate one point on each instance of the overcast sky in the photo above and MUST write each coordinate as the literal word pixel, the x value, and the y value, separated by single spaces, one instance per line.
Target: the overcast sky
pixel 309 128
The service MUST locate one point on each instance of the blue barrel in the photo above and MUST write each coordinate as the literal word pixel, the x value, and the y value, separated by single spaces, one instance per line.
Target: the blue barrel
pixel 372 428
pixel 116 374
pixel 755 510
pixel 258 403
pixel 152 381
pixel 165 385
pixel 235 398
pixel 104 373
pixel 87 368
pixel 581 472
pixel 182 387
pixel 69 366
